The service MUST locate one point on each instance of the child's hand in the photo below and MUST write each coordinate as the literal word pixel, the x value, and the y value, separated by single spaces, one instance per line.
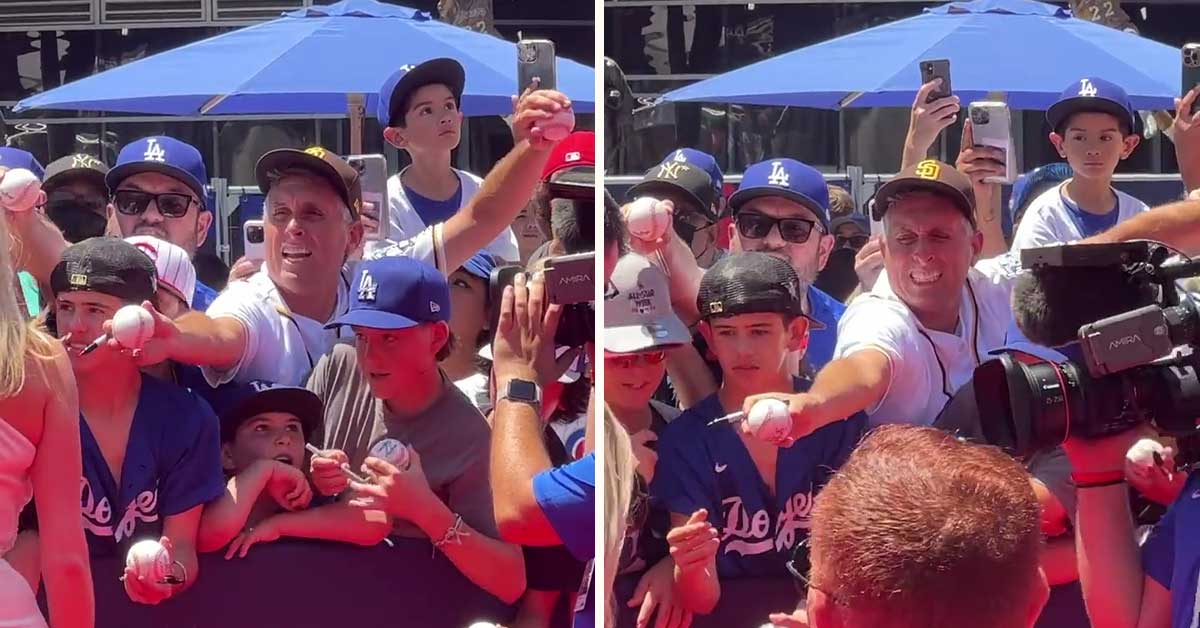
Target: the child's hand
pixel 694 544
pixel 265 532
pixel 326 472
pixel 288 487
pixel 400 493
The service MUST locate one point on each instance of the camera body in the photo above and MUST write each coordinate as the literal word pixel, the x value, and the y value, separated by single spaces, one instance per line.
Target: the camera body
pixel 1138 366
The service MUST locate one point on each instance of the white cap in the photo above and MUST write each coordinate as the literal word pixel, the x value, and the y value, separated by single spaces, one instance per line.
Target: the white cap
pixel 175 269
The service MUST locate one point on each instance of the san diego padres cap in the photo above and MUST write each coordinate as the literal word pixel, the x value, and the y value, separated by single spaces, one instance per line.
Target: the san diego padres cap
pixel 932 176
pixel 341 175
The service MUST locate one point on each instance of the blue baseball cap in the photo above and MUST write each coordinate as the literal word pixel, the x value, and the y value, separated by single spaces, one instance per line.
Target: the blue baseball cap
pixel 785 178
pixel 410 78
pixel 237 403
pixel 480 265
pixel 164 155
pixel 1092 94
pixel 13 158
pixel 701 160
pixel 396 293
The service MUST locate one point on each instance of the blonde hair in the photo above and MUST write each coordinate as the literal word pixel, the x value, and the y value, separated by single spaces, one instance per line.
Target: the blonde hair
pixel 19 338
pixel 619 471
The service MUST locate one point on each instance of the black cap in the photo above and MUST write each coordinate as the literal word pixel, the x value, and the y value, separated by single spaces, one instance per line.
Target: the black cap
pixel 323 163
pixel 748 283
pixel 679 177
pixel 236 403
pixel 409 79
pixel 106 265
pixel 79 166
pixel 933 176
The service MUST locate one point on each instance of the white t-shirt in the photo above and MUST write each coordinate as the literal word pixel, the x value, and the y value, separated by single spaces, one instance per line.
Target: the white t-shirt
pixel 405 223
pixel 1047 221
pixel 927 366
pixel 282 346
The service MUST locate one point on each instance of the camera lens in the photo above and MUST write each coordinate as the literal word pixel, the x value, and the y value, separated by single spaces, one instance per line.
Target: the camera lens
pixel 1027 406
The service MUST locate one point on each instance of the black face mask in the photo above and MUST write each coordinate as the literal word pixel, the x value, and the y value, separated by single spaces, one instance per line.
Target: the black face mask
pixel 838 279
pixel 76 223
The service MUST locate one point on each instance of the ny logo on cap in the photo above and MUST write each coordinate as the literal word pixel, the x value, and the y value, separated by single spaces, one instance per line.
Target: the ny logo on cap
pixel 1086 89
pixel 928 169
pixel 778 176
pixel 670 170
pixel 573 156
pixel 154 152
pixel 83 161
pixel 367 288
pixel 434 307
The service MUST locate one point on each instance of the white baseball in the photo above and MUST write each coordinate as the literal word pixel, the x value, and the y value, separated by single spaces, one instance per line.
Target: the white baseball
pixel 393 451
pixel 19 190
pixel 647 218
pixel 770 420
pixel 150 560
pixel 1141 455
pixel 132 326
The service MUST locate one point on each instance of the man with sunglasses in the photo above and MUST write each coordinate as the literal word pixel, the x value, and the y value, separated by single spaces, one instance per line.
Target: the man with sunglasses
pixel 77 196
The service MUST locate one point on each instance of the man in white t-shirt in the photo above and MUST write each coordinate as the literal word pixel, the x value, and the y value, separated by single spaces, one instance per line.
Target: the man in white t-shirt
pixel 906 346
pixel 419 112
pixel 272 326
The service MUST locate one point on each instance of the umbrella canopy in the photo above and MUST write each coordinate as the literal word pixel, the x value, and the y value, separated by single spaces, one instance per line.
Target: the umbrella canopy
pixel 307 62
pixel 1030 51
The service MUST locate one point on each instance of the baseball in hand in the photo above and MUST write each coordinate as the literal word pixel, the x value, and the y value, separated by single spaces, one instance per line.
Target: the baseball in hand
pixel 150 560
pixel 393 451
pixel 132 326
pixel 19 190
pixel 1141 455
pixel 647 218
pixel 559 127
pixel 770 420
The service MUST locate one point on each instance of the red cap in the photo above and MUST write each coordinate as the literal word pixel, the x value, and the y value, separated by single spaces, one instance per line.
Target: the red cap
pixel 578 149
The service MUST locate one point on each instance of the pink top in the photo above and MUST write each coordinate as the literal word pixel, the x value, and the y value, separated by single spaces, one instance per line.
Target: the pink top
pixel 16 457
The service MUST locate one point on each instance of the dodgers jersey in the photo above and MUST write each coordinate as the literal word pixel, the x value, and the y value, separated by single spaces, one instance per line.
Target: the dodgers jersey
pixel 172 464
pixel 1171 555
pixel 709 467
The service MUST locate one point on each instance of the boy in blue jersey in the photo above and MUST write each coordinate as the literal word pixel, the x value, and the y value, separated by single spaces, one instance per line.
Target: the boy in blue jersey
pixel 150 448
pixel 739 505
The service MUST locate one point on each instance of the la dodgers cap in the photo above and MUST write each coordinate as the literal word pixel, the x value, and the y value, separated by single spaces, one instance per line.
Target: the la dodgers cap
pixel 324 163
pixel 637 310
pixel 78 165
pixel 106 265
pixel 410 78
pixel 1092 94
pixel 748 283
pixel 164 155
pixel 702 160
pixel 237 403
pixel 480 265
pixel 930 175
pixel 396 293
pixel 785 178
pixel 173 266
pixel 13 158
pixel 576 151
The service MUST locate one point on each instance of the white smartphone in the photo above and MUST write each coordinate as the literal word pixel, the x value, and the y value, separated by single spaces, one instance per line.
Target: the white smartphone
pixel 372 175
pixel 252 240
pixel 991 124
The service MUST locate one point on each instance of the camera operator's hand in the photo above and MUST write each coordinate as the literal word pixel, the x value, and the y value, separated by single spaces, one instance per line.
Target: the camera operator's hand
pixel 524 344
pixel 1101 455
pixel 928 120
pixel 1186 135
pixel 534 107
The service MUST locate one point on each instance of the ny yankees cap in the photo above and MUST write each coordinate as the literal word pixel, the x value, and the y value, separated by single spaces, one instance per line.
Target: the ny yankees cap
pixel 679 177
pixel 785 178
pixel 325 164
pixel 396 293
pixel 749 283
pixel 577 151
pixel 74 166
pixel 701 160
pixel 637 309
pixel 164 155
pixel 1093 95
pixel 173 266
pixel 13 158
pixel 106 265
pixel 930 175
pixel 237 403
pixel 410 78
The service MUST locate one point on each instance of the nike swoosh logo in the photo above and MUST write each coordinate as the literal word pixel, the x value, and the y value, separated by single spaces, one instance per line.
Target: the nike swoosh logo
pixel 1196 494
pixel 720 467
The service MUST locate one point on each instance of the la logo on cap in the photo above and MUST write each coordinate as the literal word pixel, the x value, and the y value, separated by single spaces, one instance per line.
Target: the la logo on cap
pixel 259 385
pixel 367 288
pixel 928 169
pixel 680 157
pixel 779 176
pixel 154 152
pixel 1086 89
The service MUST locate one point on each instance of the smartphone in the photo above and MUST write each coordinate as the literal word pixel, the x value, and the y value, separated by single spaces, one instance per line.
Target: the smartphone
pixel 937 68
pixel 1191 71
pixel 372 176
pixel 991 125
pixel 571 278
pixel 252 240
pixel 536 59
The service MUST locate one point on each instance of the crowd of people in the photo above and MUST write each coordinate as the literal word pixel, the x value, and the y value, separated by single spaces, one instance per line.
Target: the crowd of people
pixel 880 503
pixel 361 383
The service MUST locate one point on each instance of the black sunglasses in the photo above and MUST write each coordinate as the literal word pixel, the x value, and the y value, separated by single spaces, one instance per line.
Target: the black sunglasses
pixel 852 242
pixel 757 226
pixel 134 202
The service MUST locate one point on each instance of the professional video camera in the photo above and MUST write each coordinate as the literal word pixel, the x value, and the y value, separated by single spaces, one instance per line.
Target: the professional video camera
pixel 1141 360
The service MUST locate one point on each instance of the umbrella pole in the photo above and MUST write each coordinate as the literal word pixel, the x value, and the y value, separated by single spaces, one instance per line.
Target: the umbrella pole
pixel 356 107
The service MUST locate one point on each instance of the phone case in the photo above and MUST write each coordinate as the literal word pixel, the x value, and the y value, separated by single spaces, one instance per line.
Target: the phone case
pixel 536 58
pixel 991 125
pixel 937 68
pixel 1191 71
pixel 372 171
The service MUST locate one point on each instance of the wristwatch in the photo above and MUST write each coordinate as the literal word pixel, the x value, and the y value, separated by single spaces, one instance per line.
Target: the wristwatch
pixel 524 391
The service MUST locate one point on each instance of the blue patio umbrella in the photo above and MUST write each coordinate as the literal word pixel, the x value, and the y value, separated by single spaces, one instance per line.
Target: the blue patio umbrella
pixel 307 62
pixel 1029 51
